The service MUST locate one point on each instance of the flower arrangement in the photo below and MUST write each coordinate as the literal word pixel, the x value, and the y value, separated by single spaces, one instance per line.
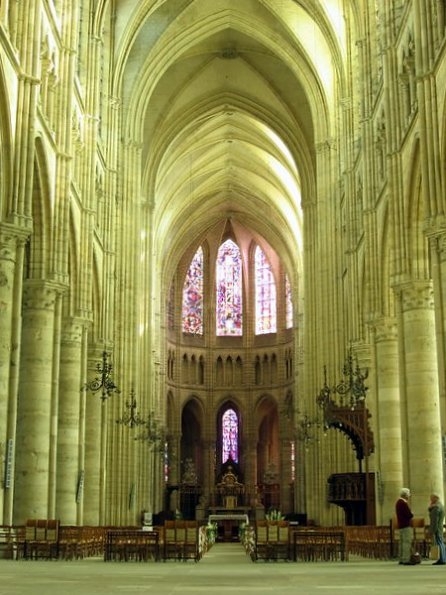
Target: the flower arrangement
pixel 211 532
pixel 274 515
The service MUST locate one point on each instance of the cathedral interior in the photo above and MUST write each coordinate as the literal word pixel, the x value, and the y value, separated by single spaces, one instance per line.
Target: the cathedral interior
pixel 222 274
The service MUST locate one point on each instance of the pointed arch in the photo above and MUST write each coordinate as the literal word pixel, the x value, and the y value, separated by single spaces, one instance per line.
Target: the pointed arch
pixel 228 433
pixel 268 444
pixel 229 302
pixel 192 305
pixel 39 243
pixel 5 148
pixel 265 294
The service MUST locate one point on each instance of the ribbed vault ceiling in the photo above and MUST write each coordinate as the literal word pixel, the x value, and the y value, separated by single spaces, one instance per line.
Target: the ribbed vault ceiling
pixel 227 101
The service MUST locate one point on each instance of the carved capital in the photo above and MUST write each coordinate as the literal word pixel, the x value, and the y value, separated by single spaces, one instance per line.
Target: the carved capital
pixel 417 295
pixel 386 329
pixel 40 295
pixel 72 330
pixel 10 238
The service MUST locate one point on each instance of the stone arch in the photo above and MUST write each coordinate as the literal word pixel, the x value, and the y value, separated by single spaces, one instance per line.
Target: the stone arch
pixel 225 404
pixel 192 423
pixel 5 148
pixel 40 241
pixel 417 211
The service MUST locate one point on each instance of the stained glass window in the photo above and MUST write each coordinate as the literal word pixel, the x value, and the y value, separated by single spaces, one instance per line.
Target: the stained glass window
pixel 229 290
pixel 265 294
pixel 229 423
pixel 289 303
pixel 192 311
pixel 293 460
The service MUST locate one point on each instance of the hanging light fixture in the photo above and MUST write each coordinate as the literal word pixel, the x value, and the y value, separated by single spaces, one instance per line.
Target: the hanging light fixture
pixel 131 417
pixel 104 381
pixel 306 430
pixel 154 432
pixel 350 391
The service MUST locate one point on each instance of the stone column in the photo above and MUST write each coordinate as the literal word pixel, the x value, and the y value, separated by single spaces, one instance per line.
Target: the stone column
pixel 390 464
pixel 11 258
pixel 34 403
pixel 174 458
pixel 424 447
pixel 207 481
pixel 70 381
pixel 286 504
pixel 95 417
pixel 250 463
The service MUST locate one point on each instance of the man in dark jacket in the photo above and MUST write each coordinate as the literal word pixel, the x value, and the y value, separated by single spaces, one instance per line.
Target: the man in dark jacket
pixel 436 515
pixel 404 517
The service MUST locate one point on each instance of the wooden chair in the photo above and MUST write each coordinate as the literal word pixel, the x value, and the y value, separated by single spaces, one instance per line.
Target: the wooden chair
pixel 420 539
pixel 261 541
pixel 191 549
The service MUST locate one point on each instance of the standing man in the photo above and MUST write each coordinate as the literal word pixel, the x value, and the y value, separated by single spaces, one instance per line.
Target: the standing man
pixel 436 515
pixel 404 517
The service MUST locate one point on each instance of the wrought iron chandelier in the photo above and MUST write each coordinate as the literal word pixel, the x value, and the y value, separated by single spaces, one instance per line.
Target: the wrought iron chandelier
pixel 131 417
pixel 154 431
pixel 104 381
pixel 306 427
pixel 350 391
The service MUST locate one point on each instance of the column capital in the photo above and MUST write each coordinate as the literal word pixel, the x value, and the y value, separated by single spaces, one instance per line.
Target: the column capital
pixel 73 328
pixel 11 236
pixel 416 295
pixel 41 295
pixel 386 329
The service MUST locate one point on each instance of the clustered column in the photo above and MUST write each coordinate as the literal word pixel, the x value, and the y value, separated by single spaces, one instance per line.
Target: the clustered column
pixel 35 403
pixel 68 469
pixel 390 464
pixel 424 453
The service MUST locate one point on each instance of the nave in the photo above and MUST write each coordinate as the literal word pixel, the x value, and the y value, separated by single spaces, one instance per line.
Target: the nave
pixel 224 569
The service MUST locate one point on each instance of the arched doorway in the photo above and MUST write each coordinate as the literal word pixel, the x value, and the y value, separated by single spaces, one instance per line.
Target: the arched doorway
pixel 191 466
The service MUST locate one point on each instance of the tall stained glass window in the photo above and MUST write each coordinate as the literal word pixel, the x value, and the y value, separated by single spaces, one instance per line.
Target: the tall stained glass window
pixel 266 318
pixel 229 290
pixel 288 303
pixel 192 311
pixel 229 431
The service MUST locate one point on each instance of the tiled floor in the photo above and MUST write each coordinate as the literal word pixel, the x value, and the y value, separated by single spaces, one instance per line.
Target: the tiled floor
pixel 225 569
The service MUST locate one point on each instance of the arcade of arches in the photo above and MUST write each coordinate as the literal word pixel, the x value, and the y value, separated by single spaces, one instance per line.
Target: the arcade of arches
pixel 222 263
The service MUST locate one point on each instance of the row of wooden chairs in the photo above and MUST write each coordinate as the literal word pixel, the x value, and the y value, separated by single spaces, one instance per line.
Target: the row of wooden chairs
pixel 10 538
pixel 272 541
pixel 41 538
pixel 182 540
pixel 78 542
pixel 321 544
pixel 47 539
pixel 134 544
pixel 370 541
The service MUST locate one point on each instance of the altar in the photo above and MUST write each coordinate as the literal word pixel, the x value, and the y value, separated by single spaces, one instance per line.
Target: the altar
pixel 228 524
pixel 229 512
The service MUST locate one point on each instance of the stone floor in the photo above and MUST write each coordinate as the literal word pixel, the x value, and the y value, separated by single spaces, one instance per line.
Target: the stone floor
pixel 225 569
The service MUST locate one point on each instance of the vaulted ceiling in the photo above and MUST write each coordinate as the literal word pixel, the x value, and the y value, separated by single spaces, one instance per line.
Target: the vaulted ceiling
pixel 228 101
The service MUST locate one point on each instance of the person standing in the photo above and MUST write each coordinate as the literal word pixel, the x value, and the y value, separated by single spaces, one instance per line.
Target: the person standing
pixel 404 517
pixel 436 516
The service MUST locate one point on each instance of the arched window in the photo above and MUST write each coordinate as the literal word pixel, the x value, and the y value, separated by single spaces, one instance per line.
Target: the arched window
pixel 192 311
pixel 289 303
pixel 229 433
pixel 229 290
pixel 265 294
